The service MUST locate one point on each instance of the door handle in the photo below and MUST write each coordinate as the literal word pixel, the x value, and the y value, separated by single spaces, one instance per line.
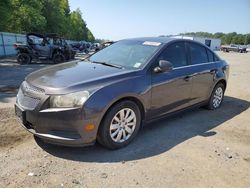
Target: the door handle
pixel 187 78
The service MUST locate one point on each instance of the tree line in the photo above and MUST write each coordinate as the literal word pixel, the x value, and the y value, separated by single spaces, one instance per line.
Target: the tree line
pixel 43 16
pixel 226 38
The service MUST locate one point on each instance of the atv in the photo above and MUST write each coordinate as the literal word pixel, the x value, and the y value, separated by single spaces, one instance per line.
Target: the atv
pixel 44 47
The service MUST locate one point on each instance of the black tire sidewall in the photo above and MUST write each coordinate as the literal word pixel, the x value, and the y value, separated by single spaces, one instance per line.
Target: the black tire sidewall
pixel 104 137
pixel 56 56
pixel 27 56
pixel 210 104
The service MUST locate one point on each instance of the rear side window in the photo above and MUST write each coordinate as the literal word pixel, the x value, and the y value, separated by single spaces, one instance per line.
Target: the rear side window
pixel 210 56
pixel 175 54
pixel 198 54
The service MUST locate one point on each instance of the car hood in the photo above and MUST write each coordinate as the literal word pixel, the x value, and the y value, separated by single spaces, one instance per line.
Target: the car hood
pixel 75 75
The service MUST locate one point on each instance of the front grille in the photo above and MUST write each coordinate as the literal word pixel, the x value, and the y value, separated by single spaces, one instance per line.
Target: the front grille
pixel 27 102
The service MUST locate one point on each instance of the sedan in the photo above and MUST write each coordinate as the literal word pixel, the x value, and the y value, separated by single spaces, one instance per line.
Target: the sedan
pixel 109 96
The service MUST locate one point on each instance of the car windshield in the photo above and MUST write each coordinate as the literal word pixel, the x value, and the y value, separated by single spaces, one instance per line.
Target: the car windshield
pixel 126 53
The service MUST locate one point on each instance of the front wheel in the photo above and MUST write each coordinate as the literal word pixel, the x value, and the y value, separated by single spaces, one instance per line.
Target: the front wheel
pixel 120 125
pixel 23 58
pixel 216 97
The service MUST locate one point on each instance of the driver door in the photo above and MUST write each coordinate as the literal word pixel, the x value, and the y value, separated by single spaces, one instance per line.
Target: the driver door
pixel 171 90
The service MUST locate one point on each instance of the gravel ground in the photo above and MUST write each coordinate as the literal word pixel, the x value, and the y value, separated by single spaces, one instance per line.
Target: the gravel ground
pixel 199 148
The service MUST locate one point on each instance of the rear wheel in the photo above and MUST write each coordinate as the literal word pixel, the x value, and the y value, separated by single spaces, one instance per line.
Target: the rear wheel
pixel 23 58
pixel 73 55
pixel 86 51
pixel 58 58
pixel 120 125
pixel 216 97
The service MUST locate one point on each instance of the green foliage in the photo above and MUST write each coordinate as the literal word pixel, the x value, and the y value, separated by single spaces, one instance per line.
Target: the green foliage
pixel 226 38
pixel 90 36
pixel 77 26
pixel 26 16
pixel 43 16
pixel 5 6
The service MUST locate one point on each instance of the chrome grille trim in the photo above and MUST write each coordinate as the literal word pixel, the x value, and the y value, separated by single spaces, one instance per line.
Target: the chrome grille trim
pixel 27 102
pixel 26 87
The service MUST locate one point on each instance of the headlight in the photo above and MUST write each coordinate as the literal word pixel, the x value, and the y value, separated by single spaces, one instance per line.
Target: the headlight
pixel 70 100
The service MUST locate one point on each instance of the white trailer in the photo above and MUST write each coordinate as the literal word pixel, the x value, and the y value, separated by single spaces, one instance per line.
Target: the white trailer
pixel 213 44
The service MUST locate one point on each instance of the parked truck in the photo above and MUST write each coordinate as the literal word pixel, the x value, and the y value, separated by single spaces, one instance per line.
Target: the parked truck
pixel 233 48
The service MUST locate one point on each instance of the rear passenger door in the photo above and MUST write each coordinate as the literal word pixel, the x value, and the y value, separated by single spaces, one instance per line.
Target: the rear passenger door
pixel 202 63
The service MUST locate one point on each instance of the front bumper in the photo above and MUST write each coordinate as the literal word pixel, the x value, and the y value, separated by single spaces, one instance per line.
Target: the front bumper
pixel 62 126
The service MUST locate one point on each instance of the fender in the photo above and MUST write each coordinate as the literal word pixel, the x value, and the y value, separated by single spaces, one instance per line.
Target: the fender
pixel 101 100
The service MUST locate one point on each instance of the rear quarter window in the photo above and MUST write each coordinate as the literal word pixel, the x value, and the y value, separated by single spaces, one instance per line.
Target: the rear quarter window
pixel 210 56
pixel 216 58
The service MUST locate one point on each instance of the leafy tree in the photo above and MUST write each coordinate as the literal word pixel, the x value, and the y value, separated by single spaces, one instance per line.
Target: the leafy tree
pixel 43 16
pixel 5 9
pixel 218 35
pixel 77 26
pixel 55 13
pixel 247 39
pixel 90 36
pixel 226 38
pixel 26 16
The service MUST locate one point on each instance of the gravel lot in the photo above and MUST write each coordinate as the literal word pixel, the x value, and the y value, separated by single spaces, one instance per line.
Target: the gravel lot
pixel 199 148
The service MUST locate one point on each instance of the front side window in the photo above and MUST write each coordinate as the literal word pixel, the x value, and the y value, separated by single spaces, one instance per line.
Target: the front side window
pixel 198 54
pixel 127 53
pixel 175 54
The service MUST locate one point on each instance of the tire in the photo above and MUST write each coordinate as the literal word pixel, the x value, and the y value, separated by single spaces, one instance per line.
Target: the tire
pixel 23 58
pixel 115 132
pixel 58 58
pixel 216 97
pixel 72 55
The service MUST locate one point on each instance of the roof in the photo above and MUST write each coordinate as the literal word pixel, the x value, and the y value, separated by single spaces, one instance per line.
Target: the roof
pixel 50 35
pixel 154 39
pixel 164 40
pixel 35 34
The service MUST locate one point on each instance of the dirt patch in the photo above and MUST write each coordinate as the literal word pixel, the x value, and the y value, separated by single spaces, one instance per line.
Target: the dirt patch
pixel 247 159
pixel 11 133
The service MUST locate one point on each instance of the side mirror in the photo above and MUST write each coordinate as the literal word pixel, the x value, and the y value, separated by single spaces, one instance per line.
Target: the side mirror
pixel 164 66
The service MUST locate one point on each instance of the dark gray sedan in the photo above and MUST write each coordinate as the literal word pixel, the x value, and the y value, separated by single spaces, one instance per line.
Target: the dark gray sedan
pixel 110 95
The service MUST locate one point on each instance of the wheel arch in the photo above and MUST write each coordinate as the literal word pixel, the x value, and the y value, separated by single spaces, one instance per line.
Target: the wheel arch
pixel 128 98
pixel 56 51
pixel 100 134
pixel 223 81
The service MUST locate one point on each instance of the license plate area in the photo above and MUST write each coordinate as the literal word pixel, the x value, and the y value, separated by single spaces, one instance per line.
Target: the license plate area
pixel 20 114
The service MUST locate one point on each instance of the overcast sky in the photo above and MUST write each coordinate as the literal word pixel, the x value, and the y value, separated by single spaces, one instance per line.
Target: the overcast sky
pixel 118 19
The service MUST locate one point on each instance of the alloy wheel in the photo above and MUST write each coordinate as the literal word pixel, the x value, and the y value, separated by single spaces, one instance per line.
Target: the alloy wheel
pixel 122 125
pixel 217 98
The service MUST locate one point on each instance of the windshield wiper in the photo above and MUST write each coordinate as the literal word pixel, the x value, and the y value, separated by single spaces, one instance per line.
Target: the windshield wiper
pixel 107 64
